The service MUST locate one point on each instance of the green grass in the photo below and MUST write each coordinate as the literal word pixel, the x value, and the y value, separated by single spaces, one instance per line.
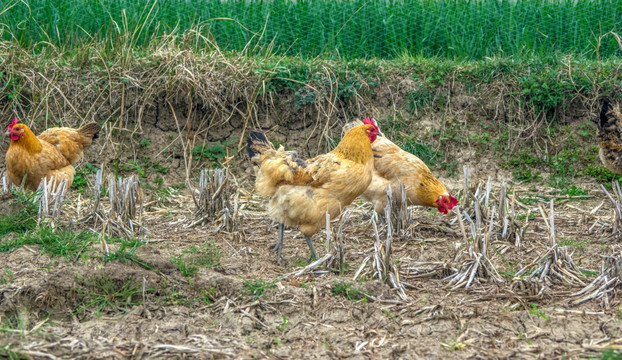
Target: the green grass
pixel 105 294
pixel 191 260
pixel 74 245
pixel 349 291
pixel 610 354
pixel 214 153
pixel 126 251
pixel 7 353
pixel 21 214
pixel 535 310
pixel 8 277
pixel 578 244
pixel 351 29
pixel 56 242
pixel 80 181
pixel 257 287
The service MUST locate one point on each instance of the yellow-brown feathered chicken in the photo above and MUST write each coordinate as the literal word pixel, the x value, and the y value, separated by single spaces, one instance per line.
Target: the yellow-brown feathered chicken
pixel 393 166
pixel 49 155
pixel 303 191
pixel 609 137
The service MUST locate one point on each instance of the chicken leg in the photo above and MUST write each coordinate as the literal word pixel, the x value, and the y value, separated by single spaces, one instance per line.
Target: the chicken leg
pixel 311 247
pixel 278 245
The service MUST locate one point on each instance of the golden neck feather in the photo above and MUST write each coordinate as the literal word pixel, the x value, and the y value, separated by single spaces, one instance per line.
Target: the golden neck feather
pixel 29 141
pixel 355 145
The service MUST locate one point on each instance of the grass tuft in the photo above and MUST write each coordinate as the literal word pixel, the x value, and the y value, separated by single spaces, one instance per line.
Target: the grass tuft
pixel 19 214
pixel 103 293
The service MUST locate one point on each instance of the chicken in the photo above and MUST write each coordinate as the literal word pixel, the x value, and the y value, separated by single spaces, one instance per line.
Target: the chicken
pixel 303 191
pixel 393 166
pixel 609 137
pixel 49 155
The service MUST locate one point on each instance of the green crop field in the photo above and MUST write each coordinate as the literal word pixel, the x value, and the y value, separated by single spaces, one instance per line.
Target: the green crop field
pixel 348 29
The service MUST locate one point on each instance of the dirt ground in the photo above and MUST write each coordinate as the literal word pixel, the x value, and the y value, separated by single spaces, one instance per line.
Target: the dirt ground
pixel 214 314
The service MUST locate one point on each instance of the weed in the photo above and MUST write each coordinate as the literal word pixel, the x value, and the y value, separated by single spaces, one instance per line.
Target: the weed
pixel 207 295
pixel 535 310
pixel 389 314
pixel 284 325
pixel 187 269
pixel 453 345
pixel 8 277
pixel 80 182
pixel 544 90
pixel 420 99
pixel 589 272
pixel 194 258
pixel 126 251
pixel 145 143
pixel 143 167
pixel 257 287
pixel 301 262
pixel 601 174
pixel 214 153
pixel 348 291
pixel 574 191
pixel 532 215
pixel 579 245
pixel 104 293
pixel 522 173
pixel 7 353
pixel 56 242
pixel 611 354
pixel 21 216
pixel 480 139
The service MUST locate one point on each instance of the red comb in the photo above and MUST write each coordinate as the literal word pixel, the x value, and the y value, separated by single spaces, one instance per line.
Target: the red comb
pixel 453 201
pixel 371 121
pixel 13 123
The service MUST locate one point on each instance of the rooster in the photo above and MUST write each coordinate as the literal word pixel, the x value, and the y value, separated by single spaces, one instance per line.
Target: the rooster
pixel 394 166
pixel 609 137
pixel 303 191
pixel 49 155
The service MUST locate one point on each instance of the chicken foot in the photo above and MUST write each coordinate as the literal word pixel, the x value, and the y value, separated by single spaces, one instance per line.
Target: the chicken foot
pixel 278 245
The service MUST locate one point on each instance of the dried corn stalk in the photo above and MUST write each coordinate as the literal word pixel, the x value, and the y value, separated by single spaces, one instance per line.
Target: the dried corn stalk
pixel 616 223
pixel 50 197
pixel 556 265
pixel 382 264
pixel 334 241
pixel 481 204
pixel 217 199
pixel 121 215
pixel 6 185
pixel 400 215
pixel 126 205
pixel 609 279
pixel 411 269
pixel 472 261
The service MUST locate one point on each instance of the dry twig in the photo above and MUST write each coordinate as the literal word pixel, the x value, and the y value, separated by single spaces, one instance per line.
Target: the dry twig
pixel 50 197
pixel 556 265
pixel 605 283
pixel 217 199
pixel 473 261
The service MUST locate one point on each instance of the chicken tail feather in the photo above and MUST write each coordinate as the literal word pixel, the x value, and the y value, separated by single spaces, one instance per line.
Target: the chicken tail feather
pixel 257 143
pixel 90 130
pixel 604 113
